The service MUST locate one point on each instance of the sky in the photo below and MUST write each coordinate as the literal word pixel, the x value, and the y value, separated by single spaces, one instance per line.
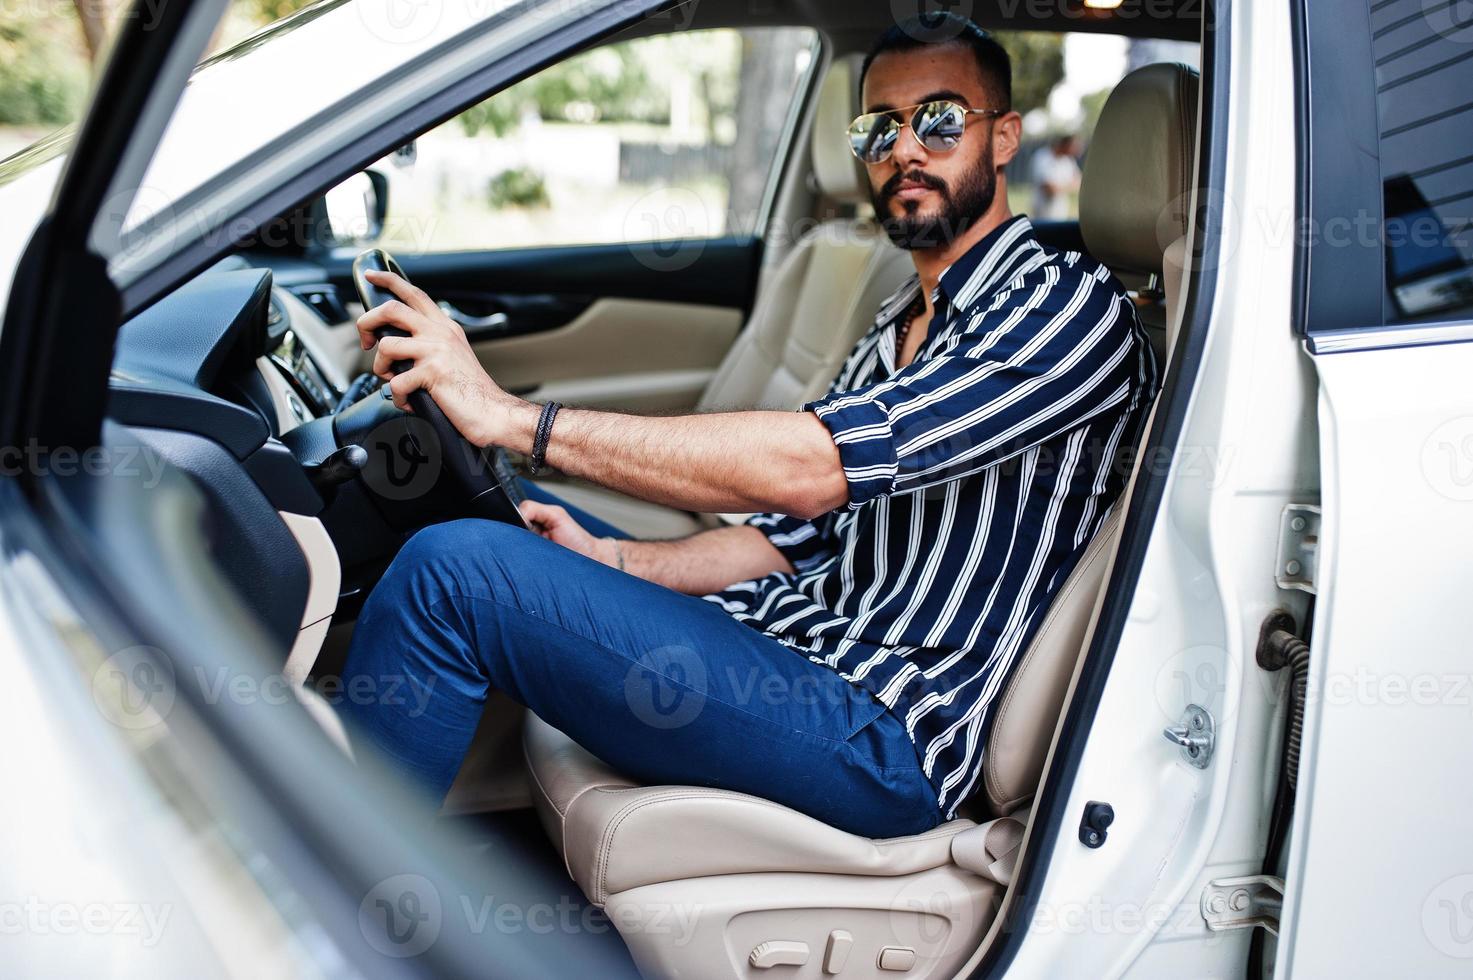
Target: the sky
pixel 1091 62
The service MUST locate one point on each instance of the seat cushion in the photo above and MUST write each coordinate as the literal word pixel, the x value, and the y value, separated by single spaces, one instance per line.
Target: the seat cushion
pixel 615 835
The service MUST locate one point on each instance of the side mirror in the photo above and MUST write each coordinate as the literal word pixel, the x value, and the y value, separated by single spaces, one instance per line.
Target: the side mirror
pixel 356 209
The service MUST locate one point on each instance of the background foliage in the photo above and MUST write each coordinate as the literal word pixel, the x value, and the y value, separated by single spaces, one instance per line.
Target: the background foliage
pixel 43 70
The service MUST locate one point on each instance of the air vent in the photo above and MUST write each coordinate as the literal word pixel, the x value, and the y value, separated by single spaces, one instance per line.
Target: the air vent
pixel 324 300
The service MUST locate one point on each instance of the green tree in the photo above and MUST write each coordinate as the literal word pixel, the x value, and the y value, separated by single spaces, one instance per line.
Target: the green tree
pixel 612 81
pixel 43 77
pixel 1038 65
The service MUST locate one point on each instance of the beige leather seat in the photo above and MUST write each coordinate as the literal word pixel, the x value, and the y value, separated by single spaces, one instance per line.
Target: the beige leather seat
pixel 817 304
pixel 775 886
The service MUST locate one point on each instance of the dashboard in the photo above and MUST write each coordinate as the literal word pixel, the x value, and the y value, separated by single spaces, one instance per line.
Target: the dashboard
pixel 244 385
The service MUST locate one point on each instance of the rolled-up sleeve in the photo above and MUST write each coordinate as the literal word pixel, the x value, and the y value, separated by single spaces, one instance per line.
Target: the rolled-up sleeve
pixel 1042 358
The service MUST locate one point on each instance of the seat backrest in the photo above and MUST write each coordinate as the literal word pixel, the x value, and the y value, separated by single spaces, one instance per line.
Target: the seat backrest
pixel 1134 203
pixel 824 294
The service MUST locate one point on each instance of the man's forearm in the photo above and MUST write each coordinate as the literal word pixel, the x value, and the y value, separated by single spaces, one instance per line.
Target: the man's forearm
pixel 730 462
pixel 703 563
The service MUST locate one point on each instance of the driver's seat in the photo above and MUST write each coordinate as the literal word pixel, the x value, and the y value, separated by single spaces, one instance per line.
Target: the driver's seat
pixel 704 882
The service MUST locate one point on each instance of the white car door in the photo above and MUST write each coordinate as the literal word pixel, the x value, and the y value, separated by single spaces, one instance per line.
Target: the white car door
pixel 1381 867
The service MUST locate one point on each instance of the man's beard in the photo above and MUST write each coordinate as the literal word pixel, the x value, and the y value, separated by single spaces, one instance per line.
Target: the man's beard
pixel 959 210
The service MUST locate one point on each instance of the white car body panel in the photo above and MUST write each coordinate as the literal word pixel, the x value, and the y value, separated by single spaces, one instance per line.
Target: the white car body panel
pixel 1391 679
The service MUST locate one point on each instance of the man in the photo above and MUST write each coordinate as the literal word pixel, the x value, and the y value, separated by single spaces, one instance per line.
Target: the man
pixel 915 522
pixel 1055 174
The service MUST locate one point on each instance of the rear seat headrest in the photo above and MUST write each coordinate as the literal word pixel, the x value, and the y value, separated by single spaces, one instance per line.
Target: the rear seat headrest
pixel 1135 196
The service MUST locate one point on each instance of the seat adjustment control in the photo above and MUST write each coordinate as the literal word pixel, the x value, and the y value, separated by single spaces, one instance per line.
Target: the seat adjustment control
pixel 897 959
pixel 778 952
pixel 837 953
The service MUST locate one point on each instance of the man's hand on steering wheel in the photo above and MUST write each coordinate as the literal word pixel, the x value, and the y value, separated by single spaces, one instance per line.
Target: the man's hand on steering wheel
pixel 444 363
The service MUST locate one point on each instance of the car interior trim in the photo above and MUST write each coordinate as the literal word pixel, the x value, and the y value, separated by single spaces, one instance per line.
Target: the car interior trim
pixel 325 576
pixel 1389 337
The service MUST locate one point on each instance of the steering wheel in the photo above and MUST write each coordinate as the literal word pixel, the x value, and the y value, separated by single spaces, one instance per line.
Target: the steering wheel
pixel 469 465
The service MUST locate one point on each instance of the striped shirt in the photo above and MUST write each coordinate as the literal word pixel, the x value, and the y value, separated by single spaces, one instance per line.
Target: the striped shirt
pixel 977 474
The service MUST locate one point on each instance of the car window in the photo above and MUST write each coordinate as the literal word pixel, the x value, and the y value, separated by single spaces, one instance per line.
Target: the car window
pixel 1060 84
pixel 651 139
pixel 1423 52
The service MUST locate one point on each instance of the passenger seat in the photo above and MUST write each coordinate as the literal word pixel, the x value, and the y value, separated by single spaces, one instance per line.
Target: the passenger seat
pixel 818 303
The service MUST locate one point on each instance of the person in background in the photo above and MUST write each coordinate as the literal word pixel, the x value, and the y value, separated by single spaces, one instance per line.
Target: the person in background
pixel 1055 174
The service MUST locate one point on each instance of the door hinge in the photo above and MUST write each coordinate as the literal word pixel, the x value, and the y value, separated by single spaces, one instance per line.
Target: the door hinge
pixel 1299 547
pixel 1243 903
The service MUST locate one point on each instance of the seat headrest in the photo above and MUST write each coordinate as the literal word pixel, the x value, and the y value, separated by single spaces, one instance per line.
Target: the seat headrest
pixel 838 173
pixel 1134 198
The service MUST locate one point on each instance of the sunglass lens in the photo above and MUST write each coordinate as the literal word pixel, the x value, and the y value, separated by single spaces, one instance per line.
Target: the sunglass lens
pixel 873 136
pixel 939 125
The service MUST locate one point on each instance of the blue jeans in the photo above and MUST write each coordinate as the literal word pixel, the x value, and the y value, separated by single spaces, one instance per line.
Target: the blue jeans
pixel 666 688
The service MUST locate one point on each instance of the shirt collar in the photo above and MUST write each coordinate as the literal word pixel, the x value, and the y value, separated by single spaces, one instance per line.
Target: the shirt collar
pixel 964 278
pixel 960 284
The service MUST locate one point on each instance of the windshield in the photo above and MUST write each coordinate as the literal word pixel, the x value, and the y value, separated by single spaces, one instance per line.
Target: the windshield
pixel 268 110
pixel 59 142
